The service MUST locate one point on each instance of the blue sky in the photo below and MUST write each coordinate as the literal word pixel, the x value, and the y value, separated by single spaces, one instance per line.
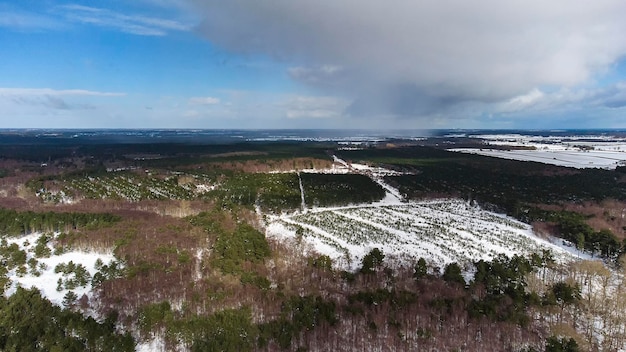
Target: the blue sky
pixel 312 64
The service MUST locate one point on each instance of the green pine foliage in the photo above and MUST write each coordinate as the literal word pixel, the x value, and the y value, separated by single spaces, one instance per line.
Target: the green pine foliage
pixel 504 281
pixel 272 192
pixel 73 276
pixel 372 261
pixel 452 274
pixel 572 227
pixel 420 270
pixel 230 330
pixel 563 344
pixel 41 248
pixel 105 272
pixel 340 189
pixel 234 251
pixel 398 299
pixel 29 322
pixel 322 262
pixel 153 315
pixel 504 183
pixel 17 223
pixel 99 184
pixel 298 314
pixel 245 244
pixel 11 255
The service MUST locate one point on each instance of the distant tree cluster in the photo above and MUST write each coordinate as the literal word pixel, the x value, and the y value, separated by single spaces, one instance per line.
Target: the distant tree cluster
pixel 17 223
pixel 572 227
pixel 339 189
pixel 272 192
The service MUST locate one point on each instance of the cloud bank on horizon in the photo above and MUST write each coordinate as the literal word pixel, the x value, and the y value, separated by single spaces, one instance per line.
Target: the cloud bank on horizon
pixel 329 63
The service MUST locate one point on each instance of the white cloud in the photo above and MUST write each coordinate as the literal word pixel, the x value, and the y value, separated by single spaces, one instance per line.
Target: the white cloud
pixel 582 107
pixel 133 24
pixel 204 101
pixel 523 101
pixel 418 57
pixel 314 107
pixel 27 21
pixel 50 99
pixel 54 92
pixel 324 75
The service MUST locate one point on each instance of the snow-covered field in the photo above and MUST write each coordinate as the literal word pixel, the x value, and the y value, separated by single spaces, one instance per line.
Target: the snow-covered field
pixel 572 151
pixel 441 231
pixel 567 157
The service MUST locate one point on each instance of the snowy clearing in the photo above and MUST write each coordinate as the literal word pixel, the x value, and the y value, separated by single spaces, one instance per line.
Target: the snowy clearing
pixel 442 231
pixel 39 272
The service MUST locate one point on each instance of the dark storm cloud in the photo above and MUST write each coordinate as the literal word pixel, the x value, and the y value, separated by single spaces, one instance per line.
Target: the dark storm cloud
pixel 416 57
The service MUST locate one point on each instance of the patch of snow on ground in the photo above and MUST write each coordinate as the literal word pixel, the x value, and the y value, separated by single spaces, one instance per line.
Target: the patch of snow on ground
pixel 47 281
pixel 303 203
pixel 377 174
pixel 392 195
pixel 361 167
pixel 154 344
pixel 202 188
pixel 198 267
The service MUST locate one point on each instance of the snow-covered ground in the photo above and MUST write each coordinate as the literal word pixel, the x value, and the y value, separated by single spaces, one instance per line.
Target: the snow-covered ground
pixel 441 231
pixel 571 151
pixel 155 343
pixel 44 277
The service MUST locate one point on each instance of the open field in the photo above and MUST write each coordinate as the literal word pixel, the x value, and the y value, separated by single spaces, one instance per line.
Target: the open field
pixel 441 231
pixel 565 157
pixel 570 151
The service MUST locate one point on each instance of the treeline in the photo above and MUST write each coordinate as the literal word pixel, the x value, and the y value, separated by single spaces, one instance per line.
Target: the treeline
pixel 387 309
pixel 14 222
pixel 248 306
pixel 506 188
pixel 504 183
pixel 242 294
pixel 184 155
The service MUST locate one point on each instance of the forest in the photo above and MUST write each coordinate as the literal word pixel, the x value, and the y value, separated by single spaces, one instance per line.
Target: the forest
pixel 192 268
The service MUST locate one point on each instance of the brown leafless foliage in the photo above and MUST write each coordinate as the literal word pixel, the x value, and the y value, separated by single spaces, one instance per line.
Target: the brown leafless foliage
pixel 608 214
pixel 261 165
